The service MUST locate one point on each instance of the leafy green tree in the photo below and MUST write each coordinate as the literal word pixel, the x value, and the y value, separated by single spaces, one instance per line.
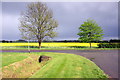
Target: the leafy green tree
pixel 37 23
pixel 90 31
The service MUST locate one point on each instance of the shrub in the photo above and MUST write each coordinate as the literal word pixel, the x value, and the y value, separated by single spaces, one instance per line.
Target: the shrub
pixel 109 45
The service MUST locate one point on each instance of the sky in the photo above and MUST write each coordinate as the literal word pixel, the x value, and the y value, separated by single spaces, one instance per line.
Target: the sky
pixel 70 15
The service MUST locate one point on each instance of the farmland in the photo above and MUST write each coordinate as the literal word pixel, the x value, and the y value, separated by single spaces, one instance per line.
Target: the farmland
pixel 50 44
pixel 53 46
pixel 62 64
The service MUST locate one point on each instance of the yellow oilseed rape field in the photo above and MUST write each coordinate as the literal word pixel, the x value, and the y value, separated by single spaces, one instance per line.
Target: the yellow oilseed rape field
pixel 50 44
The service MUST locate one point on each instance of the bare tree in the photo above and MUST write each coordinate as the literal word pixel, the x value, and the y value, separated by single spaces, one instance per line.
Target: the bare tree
pixel 37 23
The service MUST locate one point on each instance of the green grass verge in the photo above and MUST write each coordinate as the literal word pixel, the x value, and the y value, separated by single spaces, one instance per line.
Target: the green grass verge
pixel 61 65
pixel 57 48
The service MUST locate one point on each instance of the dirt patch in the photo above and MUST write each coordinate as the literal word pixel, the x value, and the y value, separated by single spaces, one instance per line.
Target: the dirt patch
pixel 44 58
pixel 0 74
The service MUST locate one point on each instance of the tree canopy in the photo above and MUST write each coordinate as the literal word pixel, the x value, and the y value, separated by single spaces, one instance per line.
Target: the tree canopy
pixel 90 31
pixel 37 22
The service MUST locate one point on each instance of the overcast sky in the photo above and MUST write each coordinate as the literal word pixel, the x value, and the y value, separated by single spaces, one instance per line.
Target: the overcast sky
pixel 70 15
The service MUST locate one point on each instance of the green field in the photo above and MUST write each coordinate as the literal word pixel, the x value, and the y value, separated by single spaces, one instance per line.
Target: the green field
pixel 61 65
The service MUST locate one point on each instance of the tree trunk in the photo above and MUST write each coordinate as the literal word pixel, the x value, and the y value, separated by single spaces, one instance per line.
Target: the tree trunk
pixel 39 41
pixel 90 44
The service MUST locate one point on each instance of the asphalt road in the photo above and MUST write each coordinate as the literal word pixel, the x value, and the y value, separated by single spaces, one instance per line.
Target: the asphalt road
pixel 107 60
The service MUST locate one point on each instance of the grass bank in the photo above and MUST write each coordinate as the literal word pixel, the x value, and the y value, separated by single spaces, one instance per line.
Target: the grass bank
pixel 61 65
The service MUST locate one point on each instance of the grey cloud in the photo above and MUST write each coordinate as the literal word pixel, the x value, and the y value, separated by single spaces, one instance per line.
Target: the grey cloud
pixel 13 8
pixel 105 14
pixel 70 16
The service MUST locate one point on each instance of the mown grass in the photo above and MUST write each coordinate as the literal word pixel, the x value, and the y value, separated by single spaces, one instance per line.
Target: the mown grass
pixel 70 66
pixel 10 58
pixel 61 65
pixel 56 48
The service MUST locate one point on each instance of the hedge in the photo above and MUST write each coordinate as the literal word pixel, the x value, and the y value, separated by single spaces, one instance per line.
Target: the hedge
pixel 109 45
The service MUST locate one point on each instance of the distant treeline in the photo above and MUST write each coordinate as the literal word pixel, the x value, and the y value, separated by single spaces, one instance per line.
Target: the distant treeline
pixel 24 41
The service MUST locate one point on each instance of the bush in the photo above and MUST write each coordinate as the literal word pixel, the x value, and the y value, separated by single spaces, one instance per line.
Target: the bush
pixel 109 45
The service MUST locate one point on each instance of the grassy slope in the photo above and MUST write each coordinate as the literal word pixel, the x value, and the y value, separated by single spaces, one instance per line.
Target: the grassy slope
pixel 11 58
pixel 60 66
pixel 20 68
